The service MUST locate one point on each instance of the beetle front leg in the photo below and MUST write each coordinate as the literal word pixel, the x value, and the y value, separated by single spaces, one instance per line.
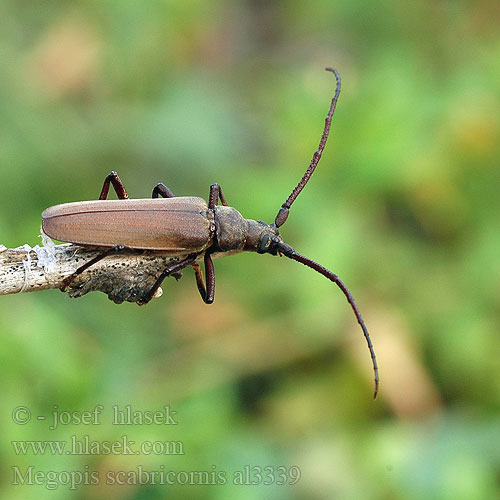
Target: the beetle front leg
pixel 161 190
pixel 172 270
pixel 215 194
pixel 207 292
pixel 117 185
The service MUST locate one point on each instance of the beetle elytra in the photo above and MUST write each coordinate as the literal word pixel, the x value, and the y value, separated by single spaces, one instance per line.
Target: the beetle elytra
pixel 186 226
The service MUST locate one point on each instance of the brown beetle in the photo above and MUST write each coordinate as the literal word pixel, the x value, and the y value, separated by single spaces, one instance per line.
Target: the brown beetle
pixel 184 226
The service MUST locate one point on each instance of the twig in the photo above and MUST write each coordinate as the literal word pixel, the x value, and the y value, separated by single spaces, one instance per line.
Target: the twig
pixel 123 277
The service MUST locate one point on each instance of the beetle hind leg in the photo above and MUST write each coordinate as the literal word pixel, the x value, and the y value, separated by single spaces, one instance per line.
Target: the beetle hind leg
pixel 118 186
pixel 207 292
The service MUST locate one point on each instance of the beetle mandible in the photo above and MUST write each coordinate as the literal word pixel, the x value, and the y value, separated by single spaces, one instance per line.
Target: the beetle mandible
pixel 185 226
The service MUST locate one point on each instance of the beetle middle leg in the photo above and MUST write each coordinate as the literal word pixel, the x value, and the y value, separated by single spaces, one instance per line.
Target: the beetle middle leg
pixel 117 248
pixel 118 186
pixel 161 190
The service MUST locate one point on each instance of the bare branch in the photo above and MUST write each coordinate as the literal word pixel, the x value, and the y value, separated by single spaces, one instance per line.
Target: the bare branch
pixel 127 276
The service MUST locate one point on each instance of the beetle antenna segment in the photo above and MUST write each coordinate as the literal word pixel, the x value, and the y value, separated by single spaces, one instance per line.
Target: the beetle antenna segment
pixel 283 212
pixel 289 252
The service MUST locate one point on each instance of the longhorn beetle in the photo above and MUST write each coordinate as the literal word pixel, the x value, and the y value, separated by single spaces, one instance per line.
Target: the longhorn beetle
pixel 185 226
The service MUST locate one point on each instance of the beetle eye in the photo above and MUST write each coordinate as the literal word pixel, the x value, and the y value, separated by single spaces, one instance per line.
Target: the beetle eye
pixel 264 244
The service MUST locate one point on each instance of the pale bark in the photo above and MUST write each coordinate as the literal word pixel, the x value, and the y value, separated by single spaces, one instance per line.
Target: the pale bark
pixel 126 276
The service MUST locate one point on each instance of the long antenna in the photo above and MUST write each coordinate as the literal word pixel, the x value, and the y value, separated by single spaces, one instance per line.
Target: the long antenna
pixel 283 212
pixel 289 252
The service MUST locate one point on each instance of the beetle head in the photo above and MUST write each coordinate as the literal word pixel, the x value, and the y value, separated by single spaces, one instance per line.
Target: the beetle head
pixel 262 237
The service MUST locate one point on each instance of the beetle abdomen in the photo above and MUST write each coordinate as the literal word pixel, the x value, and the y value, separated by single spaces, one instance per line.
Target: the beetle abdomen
pixel 169 224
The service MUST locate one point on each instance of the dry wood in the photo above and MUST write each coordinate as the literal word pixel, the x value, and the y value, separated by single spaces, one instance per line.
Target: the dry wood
pixel 126 276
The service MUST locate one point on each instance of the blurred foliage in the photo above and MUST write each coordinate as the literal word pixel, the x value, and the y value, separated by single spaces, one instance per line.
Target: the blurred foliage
pixel 403 206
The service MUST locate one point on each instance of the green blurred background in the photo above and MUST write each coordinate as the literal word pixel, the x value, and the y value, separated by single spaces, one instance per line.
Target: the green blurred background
pixel 404 206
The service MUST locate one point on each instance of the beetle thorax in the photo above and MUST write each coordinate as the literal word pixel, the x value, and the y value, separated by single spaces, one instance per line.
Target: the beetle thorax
pixel 233 232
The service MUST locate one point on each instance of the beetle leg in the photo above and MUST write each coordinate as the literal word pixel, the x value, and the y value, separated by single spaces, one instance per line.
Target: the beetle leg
pixel 172 270
pixel 67 281
pixel 210 274
pixel 207 292
pixel 161 190
pixel 215 194
pixel 200 282
pixel 117 185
